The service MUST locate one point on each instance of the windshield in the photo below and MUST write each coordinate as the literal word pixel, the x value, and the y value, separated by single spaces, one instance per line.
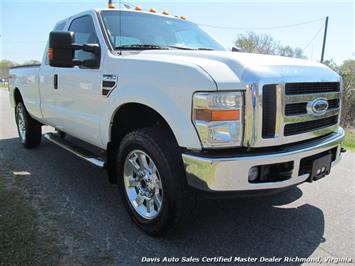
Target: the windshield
pixel 136 30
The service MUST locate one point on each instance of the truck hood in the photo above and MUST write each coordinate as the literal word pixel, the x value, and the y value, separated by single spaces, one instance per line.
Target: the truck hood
pixel 231 70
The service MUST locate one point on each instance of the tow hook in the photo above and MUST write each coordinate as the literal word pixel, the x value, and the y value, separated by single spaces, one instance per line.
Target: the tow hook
pixel 343 150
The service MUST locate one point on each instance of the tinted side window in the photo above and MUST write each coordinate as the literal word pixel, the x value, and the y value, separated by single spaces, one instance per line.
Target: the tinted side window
pixel 84 31
pixel 59 27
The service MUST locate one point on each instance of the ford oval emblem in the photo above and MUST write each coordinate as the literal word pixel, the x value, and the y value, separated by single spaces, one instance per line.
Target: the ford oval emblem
pixel 318 106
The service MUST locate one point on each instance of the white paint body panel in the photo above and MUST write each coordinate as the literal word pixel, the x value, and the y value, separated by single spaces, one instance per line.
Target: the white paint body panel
pixel 163 85
pixel 27 79
pixel 163 80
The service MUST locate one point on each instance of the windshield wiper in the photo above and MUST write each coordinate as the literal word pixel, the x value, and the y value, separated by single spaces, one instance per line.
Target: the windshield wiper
pixel 140 47
pixel 180 47
pixel 188 48
pixel 205 49
pixel 157 47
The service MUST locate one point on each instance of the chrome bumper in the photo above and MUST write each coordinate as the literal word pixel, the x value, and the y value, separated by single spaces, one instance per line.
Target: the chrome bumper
pixel 221 174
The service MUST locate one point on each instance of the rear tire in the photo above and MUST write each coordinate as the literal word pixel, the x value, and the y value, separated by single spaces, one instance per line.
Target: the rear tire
pixel 29 130
pixel 156 200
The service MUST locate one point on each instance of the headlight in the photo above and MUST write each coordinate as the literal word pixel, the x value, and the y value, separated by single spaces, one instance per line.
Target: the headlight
pixel 217 117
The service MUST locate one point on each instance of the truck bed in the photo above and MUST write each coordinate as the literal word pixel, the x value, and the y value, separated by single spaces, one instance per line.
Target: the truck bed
pixel 26 77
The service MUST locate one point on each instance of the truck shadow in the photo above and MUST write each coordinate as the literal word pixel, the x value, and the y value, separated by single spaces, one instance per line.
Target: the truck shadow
pixel 267 226
pixel 257 227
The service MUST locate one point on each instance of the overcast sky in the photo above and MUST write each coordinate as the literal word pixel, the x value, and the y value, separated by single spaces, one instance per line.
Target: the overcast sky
pixel 24 25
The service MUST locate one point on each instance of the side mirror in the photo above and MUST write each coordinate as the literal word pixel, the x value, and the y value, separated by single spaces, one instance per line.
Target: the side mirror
pixel 62 49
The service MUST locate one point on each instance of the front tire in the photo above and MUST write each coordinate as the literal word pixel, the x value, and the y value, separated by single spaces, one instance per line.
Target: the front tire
pixel 152 182
pixel 29 130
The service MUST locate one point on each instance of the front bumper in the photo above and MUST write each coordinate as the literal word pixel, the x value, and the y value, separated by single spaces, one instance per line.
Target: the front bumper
pixel 227 174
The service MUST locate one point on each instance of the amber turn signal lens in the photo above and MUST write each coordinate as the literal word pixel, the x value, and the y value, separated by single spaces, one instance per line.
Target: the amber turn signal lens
pixel 50 53
pixel 217 115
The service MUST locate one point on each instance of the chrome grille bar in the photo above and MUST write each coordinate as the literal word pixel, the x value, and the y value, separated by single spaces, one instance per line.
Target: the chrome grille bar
pixel 309 117
pixel 301 98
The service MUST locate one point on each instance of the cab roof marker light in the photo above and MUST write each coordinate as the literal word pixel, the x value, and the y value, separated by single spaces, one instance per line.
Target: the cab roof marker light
pixel 182 17
pixel 166 13
pixel 138 8
pixel 110 4
pixel 152 10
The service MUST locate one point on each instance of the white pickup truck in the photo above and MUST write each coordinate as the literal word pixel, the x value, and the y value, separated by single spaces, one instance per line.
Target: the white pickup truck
pixel 169 111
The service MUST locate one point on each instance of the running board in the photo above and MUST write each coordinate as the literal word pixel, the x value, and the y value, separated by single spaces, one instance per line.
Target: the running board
pixel 77 150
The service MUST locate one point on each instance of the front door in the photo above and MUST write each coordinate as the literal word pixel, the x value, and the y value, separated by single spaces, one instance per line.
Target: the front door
pixel 79 89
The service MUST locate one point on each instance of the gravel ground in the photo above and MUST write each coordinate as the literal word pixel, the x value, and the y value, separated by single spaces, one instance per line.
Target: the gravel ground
pixel 56 209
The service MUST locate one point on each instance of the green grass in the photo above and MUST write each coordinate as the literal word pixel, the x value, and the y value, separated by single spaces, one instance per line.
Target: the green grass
pixel 349 142
pixel 2 86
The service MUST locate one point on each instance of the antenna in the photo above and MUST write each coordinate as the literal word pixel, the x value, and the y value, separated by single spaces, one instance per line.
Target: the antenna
pixel 324 38
pixel 120 14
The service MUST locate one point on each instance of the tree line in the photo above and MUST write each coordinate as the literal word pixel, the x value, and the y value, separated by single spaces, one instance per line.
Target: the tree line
pixel 347 71
pixel 5 66
pixel 252 42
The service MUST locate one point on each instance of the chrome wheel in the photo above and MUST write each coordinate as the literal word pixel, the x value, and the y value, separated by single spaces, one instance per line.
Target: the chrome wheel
pixel 143 184
pixel 21 124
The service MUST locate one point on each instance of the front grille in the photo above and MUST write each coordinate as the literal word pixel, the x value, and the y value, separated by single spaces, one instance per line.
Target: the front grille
pixel 301 108
pixel 269 111
pixel 303 127
pixel 289 112
pixel 298 118
pixel 311 87
pixel 296 109
pixel 333 104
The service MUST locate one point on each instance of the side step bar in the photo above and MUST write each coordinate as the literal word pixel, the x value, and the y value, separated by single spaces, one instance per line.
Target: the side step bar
pixel 77 150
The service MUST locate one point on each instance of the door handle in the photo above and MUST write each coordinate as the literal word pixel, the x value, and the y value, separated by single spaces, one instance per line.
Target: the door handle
pixel 55 81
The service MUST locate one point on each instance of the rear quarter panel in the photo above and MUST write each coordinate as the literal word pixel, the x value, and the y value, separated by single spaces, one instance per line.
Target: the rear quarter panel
pixel 25 79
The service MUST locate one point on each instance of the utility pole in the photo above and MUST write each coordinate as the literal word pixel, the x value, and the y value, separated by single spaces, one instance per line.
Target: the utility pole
pixel 324 38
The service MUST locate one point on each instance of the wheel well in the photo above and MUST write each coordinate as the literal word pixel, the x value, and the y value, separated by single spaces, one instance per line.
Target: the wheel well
pixel 128 118
pixel 134 116
pixel 17 96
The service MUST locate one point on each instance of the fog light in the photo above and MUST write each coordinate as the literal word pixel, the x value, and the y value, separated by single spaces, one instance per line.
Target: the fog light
pixel 253 174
